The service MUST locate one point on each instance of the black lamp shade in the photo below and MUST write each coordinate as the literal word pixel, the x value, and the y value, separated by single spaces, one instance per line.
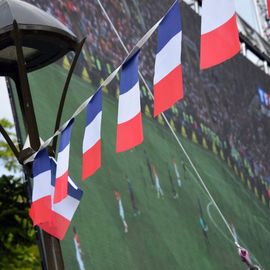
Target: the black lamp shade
pixel 44 39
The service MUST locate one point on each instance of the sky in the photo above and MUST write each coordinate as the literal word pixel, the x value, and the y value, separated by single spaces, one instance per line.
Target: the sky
pixel 5 110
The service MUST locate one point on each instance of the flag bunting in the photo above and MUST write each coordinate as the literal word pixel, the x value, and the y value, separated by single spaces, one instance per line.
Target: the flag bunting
pixel 55 196
pixel 165 41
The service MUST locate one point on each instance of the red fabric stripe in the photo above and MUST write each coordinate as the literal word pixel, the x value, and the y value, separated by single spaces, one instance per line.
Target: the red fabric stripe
pixel 220 44
pixel 168 91
pixel 268 8
pixel 61 188
pixel 40 210
pixel 129 134
pixel 91 160
pixel 57 227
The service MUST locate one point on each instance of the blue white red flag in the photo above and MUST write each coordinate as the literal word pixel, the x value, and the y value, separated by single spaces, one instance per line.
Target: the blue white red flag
pixel 41 206
pixel 61 182
pixel 91 160
pixel 63 211
pixel 168 85
pixel 129 122
pixel 219 33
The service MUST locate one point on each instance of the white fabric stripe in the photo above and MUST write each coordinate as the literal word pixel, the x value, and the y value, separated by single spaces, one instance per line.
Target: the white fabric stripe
pixel 168 58
pixel 92 133
pixel 72 183
pixel 129 104
pixel 42 186
pixel 62 161
pixel 66 207
pixel 216 13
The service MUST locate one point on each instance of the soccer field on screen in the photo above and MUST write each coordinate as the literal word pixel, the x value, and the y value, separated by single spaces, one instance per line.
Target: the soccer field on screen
pixel 166 234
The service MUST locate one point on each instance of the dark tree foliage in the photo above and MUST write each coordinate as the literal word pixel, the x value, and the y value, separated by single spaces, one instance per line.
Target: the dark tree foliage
pixel 17 236
pixel 18 249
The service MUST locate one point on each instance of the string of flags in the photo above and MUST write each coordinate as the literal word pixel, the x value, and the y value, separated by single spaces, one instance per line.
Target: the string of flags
pixel 52 217
pixel 55 196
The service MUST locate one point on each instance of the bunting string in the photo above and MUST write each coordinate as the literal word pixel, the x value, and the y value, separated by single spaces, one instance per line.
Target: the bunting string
pixel 167 122
pixel 105 83
pixel 81 108
pixel 170 127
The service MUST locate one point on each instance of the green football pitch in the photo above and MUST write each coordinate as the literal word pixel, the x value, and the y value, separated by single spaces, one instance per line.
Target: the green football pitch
pixel 166 234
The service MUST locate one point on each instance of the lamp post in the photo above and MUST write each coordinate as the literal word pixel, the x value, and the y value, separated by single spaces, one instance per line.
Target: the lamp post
pixel 29 40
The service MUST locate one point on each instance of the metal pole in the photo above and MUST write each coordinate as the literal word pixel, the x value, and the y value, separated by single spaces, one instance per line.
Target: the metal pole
pixel 25 91
pixel 52 254
pixel 64 93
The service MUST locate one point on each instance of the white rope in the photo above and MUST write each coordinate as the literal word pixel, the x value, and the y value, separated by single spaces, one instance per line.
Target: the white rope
pixel 139 45
pixel 167 122
pixel 136 48
pixel 225 236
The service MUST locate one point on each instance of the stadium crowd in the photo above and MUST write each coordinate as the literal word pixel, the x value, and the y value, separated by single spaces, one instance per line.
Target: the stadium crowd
pixel 213 105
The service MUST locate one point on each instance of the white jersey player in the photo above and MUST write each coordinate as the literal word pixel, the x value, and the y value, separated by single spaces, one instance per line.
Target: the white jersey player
pixel 157 183
pixel 178 179
pixel 121 210
pixel 78 249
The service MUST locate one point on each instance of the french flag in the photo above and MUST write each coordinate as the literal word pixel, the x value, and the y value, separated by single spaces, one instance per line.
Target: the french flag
pixel 129 122
pixel 41 206
pixel 168 83
pixel 91 160
pixel 61 182
pixel 219 33
pixel 62 212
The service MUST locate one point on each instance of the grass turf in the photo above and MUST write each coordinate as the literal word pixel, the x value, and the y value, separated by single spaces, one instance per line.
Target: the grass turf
pixel 167 234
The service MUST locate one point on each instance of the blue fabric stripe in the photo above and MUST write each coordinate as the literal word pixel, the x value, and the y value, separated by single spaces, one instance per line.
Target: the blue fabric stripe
pixel 94 107
pixel 53 171
pixel 129 74
pixel 41 163
pixel 65 136
pixel 75 193
pixel 169 26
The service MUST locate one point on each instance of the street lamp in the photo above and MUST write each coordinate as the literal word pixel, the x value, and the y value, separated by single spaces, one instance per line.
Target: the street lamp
pixel 29 40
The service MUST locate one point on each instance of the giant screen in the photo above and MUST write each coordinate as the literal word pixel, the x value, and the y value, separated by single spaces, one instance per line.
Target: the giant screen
pixel 147 208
